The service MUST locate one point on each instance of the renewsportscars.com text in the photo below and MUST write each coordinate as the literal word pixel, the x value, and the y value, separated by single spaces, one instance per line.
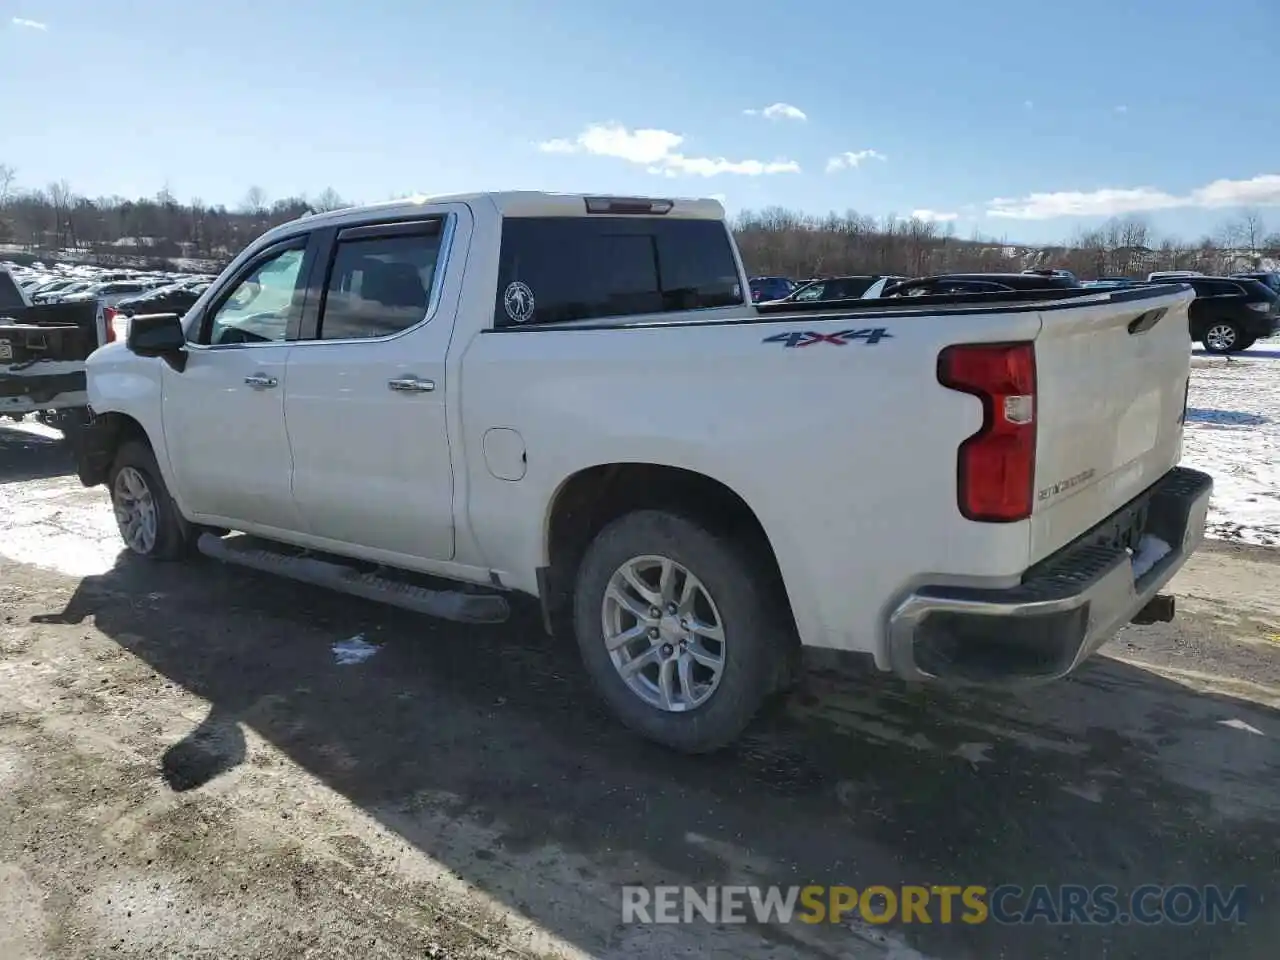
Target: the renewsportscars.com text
pixel 1104 904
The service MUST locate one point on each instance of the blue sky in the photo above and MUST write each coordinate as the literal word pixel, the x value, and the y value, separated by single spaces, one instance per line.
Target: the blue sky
pixel 1028 126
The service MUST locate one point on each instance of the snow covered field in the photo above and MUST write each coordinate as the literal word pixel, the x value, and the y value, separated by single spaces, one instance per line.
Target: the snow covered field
pixel 1233 433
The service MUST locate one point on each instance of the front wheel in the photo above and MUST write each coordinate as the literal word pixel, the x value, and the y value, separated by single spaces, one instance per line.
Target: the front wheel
pixel 1223 337
pixel 677 630
pixel 147 517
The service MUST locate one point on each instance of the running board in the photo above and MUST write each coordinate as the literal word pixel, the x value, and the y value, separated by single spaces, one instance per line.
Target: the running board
pixel 454 605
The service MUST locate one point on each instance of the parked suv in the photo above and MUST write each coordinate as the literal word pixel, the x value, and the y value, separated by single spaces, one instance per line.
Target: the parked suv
pixel 770 288
pixel 1229 314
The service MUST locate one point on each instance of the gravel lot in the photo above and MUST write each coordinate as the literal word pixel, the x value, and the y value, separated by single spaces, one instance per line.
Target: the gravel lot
pixel 186 771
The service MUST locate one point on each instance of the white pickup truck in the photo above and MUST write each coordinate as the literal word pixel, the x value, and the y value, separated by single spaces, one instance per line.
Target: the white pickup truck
pixel 573 398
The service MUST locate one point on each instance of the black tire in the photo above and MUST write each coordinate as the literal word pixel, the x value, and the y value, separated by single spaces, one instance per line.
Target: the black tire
pixel 1237 336
pixel 174 536
pixel 1246 342
pixel 757 638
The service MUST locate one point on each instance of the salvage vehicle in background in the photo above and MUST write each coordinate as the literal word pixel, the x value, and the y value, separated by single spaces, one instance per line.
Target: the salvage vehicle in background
pixel 832 288
pixel 174 298
pixel 770 288
pixel 42 352
pixel 1230 314
pixel 573 398
pixel 959 283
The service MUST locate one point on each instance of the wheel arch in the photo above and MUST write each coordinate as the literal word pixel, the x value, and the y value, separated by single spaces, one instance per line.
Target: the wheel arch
pixel 587 500
pixel 100 440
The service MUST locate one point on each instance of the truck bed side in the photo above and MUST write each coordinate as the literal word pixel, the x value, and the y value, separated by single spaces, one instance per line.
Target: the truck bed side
pixel 820 423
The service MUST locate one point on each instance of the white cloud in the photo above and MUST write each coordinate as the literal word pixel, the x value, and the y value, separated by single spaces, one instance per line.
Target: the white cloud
pixel 778 111
pixel 1259 191
pixel 559 145
pixel 1029 104
pixel 934 216
pixel 852 158
pixel 656 150
pixel 1122 109
pixel 29 24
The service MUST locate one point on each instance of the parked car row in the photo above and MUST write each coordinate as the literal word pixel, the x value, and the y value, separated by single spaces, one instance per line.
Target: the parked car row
pixel 53 316
pixel 1229 314
pixel 71 283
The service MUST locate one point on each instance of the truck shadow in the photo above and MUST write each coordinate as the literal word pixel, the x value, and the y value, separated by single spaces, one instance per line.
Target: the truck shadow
pixel 26 455
pixel 484 748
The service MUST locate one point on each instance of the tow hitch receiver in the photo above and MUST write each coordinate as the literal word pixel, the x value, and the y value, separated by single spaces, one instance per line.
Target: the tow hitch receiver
pixel 1159 609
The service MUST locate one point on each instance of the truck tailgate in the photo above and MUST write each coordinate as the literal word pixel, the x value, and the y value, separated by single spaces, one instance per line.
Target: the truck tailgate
pixel 54 331
pixel 42 354
pixel 1111 387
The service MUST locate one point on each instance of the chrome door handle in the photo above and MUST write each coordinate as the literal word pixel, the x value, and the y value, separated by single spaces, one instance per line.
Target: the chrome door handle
pixel 412 385
pixel 259 380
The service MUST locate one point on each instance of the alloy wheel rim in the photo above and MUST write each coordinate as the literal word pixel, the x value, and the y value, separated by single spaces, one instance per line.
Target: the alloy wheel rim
pixel 135 509
pixel 1221 337
pixel 664 633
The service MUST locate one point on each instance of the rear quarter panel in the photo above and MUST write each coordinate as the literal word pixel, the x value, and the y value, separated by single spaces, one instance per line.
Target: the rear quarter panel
pixel 846 451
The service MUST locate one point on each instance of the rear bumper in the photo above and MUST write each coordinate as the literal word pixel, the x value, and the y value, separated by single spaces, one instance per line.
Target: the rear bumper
pixel 1260 325
pixel 1064 609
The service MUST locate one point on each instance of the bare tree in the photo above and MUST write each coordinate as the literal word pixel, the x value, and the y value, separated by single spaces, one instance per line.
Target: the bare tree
pixel 7 176
pixel 1251 233
pixel 774 241
pixel 328 200
pixel 61 199
pixel 255 200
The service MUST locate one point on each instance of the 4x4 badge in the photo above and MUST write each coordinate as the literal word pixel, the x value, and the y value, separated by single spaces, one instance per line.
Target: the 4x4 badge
pixel 869 335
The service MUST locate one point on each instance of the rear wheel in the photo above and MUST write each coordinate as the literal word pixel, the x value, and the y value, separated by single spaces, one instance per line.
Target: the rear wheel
pixel 677 630
pixel 147 517
pixel 1223 337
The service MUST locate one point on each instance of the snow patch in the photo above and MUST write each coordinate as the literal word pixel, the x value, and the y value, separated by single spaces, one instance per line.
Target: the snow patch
pixel 1150 551
pixel 352 651
pixel 1233 434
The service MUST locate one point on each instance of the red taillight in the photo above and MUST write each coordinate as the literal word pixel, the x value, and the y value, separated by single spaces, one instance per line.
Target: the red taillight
pixel 109 324
pixel 996 466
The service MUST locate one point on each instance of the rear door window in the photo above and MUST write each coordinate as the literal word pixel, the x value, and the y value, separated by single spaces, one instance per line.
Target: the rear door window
pixel 380 280
pixel 558 269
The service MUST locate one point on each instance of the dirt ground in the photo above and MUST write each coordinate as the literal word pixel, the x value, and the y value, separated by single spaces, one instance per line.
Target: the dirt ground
pixel 187 772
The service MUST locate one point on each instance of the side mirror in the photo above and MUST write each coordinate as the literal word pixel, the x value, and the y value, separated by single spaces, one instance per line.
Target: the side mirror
pixel 158 335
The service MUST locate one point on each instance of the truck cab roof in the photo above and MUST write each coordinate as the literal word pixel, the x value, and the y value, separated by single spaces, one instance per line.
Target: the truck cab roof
pixel 523 203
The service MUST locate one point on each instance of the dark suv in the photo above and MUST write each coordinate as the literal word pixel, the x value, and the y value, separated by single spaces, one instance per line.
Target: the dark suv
pixel 770 288
pixel 1230 313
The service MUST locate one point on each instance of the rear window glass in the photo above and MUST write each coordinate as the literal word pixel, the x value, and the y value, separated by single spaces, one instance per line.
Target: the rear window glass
pixel 557 269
